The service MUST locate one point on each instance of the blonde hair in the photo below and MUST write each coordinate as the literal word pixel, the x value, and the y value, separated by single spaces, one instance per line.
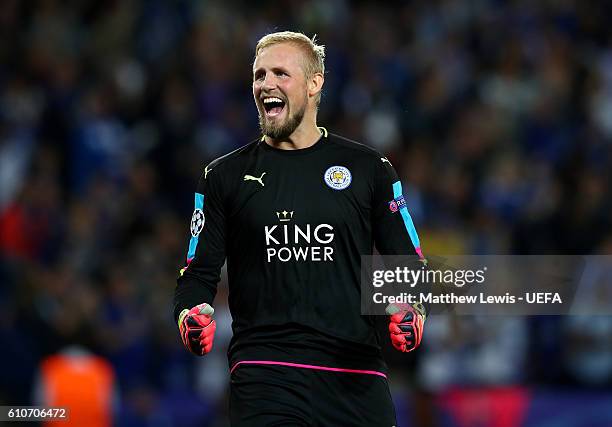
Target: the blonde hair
pixel 314 53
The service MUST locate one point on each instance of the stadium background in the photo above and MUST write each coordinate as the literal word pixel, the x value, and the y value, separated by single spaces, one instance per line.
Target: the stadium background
pixel 497 115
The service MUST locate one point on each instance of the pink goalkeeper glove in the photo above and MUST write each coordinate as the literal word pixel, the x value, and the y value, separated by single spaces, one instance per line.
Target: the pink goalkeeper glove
pixel 406 325
pixel 197 329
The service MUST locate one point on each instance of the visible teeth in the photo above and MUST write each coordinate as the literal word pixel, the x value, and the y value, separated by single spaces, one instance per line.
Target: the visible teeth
pixel 268 100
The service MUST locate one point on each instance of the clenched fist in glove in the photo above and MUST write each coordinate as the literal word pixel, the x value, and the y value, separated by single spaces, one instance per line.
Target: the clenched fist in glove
pixel 197 328
pixel 406 325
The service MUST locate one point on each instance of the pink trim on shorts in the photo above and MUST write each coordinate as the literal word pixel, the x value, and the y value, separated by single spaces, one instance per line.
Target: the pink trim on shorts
pixel 300 365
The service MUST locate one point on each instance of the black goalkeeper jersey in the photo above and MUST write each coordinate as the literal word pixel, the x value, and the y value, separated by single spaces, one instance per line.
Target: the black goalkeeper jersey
pixel 293 225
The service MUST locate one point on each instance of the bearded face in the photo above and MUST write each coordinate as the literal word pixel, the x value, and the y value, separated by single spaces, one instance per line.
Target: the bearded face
pixel 280 89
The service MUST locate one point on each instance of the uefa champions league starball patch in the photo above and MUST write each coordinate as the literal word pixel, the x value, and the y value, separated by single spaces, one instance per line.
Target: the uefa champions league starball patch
pixel 197 222
pixel 337 177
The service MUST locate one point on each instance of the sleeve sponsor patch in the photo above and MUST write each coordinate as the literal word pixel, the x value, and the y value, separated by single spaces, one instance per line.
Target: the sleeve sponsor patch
pixel 397 203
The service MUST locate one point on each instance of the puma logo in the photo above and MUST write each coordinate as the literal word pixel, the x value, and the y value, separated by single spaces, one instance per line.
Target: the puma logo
pixel 206 172
pixel 254 178
pixel 384 159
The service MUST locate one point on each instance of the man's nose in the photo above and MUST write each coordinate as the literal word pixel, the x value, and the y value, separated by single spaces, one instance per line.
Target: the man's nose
pixel 269 82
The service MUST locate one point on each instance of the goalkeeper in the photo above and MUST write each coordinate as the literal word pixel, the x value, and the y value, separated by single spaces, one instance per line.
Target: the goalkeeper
pixel 292 213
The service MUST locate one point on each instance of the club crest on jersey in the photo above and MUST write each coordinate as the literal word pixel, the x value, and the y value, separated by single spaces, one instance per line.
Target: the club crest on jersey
pixel 397 203
pixel 197 222
pixel 337 177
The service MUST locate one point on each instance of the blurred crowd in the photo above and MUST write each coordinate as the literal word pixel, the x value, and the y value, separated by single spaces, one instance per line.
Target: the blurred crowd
pixel 496 114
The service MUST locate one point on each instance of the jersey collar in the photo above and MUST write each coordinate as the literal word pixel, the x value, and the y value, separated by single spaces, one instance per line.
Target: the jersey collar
pixel 321 129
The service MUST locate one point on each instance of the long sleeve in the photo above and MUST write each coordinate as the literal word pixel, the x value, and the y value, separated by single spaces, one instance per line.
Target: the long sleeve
pixel 198 280
pixel 394 231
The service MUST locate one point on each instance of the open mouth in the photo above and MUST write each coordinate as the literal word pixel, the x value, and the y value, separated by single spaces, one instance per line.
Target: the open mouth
pixel 273 106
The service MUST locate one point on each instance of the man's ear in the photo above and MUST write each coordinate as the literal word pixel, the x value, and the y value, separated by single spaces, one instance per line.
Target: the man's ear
pixel 315 84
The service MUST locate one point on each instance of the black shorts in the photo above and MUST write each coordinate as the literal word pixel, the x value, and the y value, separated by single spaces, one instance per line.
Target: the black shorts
pixel 273 395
